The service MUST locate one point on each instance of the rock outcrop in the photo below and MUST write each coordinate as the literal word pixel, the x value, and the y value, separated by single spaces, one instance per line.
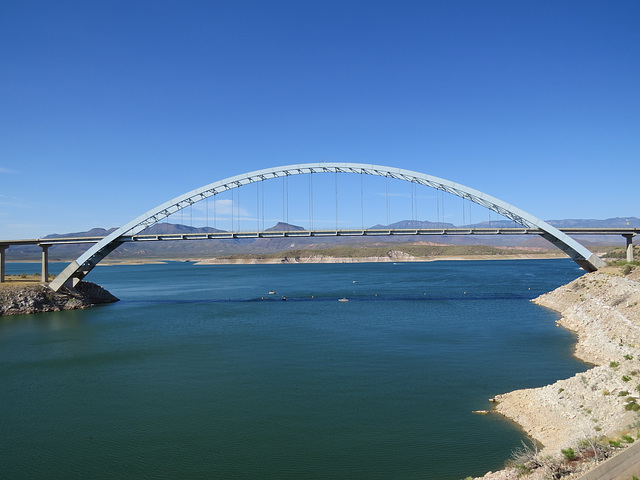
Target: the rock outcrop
pixel 20 299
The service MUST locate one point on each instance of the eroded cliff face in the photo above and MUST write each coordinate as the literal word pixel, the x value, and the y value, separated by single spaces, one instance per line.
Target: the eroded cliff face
pixel 20 299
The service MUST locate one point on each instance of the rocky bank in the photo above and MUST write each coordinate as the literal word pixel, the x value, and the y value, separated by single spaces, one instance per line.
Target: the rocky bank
pixel 603 309
pixel 19 299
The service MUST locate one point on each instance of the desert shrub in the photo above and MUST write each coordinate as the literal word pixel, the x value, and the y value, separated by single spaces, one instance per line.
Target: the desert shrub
pixel 632 406
pixel 569 453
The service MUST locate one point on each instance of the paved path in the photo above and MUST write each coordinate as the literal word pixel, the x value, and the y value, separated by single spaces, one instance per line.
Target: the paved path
pixel 623 466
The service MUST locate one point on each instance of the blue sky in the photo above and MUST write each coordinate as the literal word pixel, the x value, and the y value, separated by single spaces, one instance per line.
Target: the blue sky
pixel 109 108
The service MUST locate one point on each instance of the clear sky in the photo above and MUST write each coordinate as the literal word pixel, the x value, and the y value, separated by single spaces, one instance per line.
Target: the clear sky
pixel 109 108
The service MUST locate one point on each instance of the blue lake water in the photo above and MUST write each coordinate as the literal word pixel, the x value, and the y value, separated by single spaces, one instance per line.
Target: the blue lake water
pixel 199 373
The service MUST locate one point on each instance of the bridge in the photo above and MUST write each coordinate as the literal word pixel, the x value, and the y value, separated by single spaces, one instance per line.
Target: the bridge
pixel 134 230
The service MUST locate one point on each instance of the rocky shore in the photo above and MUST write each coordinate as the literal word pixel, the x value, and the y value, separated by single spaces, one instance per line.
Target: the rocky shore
pixel 20 299
pixel 597 407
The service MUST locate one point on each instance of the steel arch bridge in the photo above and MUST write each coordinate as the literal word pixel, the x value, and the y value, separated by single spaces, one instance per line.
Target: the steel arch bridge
pixel 79 268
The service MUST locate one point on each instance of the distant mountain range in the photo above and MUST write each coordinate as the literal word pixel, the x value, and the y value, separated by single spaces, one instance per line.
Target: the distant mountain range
pixel 212 248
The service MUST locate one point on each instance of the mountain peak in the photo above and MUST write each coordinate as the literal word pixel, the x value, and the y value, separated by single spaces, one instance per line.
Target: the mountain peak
pixel 283 227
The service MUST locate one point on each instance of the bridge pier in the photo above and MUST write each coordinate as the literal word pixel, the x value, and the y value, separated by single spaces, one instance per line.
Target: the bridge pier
pixel 629 238
pixel 3 255
pixel 45 263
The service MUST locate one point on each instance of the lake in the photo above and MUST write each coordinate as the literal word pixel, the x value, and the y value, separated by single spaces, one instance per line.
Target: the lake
pixel 199 372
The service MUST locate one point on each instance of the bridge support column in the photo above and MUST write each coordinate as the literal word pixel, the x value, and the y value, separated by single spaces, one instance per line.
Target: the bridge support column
pixel 629 238
pixel 3 255
pixel 45 263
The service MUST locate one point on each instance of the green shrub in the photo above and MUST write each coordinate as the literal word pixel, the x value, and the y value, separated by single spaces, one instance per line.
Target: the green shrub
pixel 627 439
pixel 632 406
pixel 614 364
pixel 626 378
pixel 623 393
pixel 569 454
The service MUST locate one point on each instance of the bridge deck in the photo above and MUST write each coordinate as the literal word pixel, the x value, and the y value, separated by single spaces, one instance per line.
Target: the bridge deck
pixel 324 233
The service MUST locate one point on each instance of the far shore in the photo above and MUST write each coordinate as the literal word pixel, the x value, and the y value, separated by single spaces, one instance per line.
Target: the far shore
pixel 284 259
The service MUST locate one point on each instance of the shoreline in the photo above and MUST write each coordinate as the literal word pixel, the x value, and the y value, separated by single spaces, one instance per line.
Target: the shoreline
pixel 603 310
pixel 392 256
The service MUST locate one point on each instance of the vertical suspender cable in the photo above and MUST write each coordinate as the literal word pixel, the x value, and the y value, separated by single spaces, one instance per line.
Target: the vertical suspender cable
pixel 362 201
pixel 388 207
pixel 462 210
pixel 335 182
pixel 285 198
pixel 417 203
pixel 311 199
pixel 442 205
pixel 257 207
pixel 415 198
pixel 413 193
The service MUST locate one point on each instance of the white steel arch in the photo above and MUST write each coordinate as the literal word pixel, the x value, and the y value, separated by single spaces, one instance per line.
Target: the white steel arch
pixel 79 268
